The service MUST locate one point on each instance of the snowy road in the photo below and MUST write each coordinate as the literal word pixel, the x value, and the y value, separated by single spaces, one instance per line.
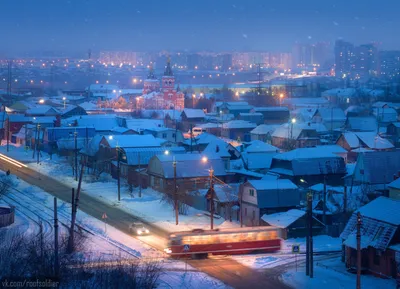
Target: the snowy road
pixel 227 270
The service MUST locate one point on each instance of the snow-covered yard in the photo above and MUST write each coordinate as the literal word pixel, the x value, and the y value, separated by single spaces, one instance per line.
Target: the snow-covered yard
pixel 322 243
pixel 332 274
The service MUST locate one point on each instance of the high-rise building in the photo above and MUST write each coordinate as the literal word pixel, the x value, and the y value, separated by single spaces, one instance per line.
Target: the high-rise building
pixel 365 62
pixel 344 57
pixel 193 61
pixel 226 62
pixel 389 65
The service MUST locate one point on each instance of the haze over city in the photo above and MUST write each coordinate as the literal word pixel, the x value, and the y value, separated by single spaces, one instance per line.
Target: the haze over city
pixel 73 25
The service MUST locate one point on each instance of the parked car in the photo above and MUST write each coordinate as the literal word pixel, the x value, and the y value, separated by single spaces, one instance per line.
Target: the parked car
pixel 139 229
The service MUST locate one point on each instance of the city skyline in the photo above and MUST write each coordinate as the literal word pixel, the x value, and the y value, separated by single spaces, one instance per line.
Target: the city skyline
pixel 76 26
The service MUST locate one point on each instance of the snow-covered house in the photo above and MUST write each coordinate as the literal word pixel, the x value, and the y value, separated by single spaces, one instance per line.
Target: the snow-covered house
pixel 368 123
pixel 302 102
pixel 192 115
pixel 273 114
pixel 103 124
pixel 192 172
pixel 72 110
pixel 332 118
pixel 103 91
pixel 311 165
pixel 42 110
pixel 169 134
pixel 393 133
pixel 394 187
pixel 261 197
pixel 292 223
pixel 237 130
pixel 263 132
pixel 377 168
pixel 385 115
pixel 234 108
pixel 359 142
pixel 380 238
pixel 297 135
pixel 341 95
pixel 257 156
pixel 254 117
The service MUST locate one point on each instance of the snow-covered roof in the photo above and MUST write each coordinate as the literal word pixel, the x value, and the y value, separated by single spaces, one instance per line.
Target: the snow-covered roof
pixel 331 114
pixel 218 147
pixel 258 146
pixel 304 114
pixel 270 108
pixel 368 139
pixel 100 122
pixel 294 131
pixel 257 161
pixel 256 114
pixel 309 102
pixel 142 124
pixel 335 149
pixel 265 129
pixel 194 113
pixel 120 129
pixel 88 106
pixel 189 165
pixel 233 124
pixel 42 109
pixel 279 184
pixel 132 141
pixel 341 92
pixel 395 184
pixel 205 138
pixel 283 219
pixel 380 220
pixel 366 123
pixel 385 114
pixel 146 153
pixel 306 153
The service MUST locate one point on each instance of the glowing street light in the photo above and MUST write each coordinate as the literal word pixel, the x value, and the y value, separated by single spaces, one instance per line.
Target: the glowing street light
pixel 64 99
pixel 204 159
pixel 41 101
pixel 293 120
pixel 110 137
pixel 166 152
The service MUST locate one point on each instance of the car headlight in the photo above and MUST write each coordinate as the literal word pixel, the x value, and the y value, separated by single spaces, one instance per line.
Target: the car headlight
pixel 139 232
pixel 168 250
pixel 147 231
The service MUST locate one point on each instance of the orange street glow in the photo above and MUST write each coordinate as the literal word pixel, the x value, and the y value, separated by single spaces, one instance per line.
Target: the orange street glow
pixel 12 161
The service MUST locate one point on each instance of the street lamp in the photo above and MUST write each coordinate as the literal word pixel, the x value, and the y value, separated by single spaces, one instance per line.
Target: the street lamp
pixel 193 98
pixel 166 152
pixel 64 99
pixel 41 101
pixel 280 99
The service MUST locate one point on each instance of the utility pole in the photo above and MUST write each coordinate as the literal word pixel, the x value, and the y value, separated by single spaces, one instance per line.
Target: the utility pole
pixel 56 262
pixel 324 207
pixel 175 194
pixel 75 210
pixel 76 154
pixel 358 250
pixel 118 174
pixel 212 198
pixel 308 235
pixel 8 132
pixel 310 226
pixel 191 138
pixel 140 177
pixel 37 143
pixel 241 205
pixel 34 148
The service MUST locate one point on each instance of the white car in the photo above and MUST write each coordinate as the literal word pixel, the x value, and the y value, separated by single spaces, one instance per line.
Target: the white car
pixel 138 229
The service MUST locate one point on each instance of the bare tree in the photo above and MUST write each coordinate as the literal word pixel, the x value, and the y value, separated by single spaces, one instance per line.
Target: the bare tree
pixel 6 183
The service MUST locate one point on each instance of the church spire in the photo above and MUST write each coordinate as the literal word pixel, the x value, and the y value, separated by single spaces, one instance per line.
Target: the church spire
pixel 168 70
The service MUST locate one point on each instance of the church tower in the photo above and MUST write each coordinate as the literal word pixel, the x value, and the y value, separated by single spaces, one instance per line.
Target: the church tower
pixel 151 83
pixel 168 79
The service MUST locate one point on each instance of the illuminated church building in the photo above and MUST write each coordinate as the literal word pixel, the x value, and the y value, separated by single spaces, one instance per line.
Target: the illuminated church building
pixel 168 97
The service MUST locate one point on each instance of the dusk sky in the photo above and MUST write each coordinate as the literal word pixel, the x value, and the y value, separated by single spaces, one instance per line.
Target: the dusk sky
pixel 77 25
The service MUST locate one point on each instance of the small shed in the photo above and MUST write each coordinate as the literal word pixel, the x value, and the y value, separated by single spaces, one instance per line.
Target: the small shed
pixel 293 223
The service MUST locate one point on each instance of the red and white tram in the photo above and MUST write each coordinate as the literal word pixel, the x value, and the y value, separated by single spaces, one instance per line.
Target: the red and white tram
pixel 224 241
